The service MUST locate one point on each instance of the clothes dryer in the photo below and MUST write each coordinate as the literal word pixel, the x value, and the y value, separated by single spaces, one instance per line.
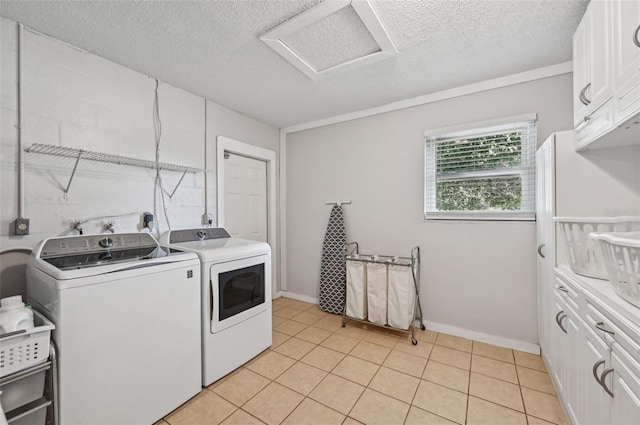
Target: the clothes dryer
pixel 236 297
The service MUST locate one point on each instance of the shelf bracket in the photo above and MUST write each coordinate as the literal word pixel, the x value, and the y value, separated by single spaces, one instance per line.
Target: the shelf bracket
pixel 178 185
pixel 73 173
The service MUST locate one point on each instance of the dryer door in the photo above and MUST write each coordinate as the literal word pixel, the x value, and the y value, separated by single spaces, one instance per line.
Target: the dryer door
pixel 239 290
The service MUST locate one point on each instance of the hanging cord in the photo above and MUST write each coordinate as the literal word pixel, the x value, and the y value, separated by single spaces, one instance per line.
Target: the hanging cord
pixel 157 124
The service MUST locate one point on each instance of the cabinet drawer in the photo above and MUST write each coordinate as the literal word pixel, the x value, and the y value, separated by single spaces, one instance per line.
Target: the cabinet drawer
pixel 628 103
pixel 595 124
pixel 568 292
pixel 610 328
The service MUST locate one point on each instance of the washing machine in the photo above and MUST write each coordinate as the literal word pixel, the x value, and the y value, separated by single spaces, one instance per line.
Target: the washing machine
pixel 236 297
pixel 127 316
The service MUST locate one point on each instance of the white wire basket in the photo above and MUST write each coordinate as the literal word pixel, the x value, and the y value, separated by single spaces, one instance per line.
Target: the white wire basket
pixel 621 253
pixel 583 253
pixel 22 350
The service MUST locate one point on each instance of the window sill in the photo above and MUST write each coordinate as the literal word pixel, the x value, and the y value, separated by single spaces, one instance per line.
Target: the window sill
pixel 480 216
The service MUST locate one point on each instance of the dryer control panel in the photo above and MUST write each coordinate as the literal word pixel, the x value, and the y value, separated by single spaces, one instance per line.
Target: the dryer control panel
pixel 203 234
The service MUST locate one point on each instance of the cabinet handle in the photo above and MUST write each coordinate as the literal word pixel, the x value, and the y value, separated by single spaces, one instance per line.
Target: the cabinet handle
pixel 564 316
pixel 540 250
pixel 595 370
pixel 562 288
pixel 636 41
pixel 558 315
pixel 600 325
pixel 561 315
pixel 604 383
pixel 581 97
pixel 584 95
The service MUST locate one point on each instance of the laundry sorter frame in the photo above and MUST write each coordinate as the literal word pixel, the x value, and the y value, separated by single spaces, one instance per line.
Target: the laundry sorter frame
pixel 413 262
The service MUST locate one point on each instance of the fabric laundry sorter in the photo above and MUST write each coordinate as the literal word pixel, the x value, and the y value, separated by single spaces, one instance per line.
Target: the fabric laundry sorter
pixel 383 290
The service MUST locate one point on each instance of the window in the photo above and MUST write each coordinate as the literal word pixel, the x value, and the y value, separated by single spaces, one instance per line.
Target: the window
pixel 482 172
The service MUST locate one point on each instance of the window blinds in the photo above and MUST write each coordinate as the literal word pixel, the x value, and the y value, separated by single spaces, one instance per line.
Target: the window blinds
pixel 482 173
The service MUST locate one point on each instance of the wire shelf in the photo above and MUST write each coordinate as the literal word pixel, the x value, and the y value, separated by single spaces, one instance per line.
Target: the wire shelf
pixel 79 154
pixel 108 158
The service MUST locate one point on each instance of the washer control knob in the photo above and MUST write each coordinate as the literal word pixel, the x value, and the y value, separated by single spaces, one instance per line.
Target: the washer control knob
pixel 201 234
pixel 106 242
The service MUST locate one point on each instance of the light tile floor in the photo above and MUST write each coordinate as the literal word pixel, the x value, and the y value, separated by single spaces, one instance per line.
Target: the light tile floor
pixel 317 372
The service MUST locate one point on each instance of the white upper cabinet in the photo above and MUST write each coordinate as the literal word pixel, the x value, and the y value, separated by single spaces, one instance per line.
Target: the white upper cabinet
pixel 600 89
pixel 626 57
pixel 592 85
pixel 581 68
pixel 606 72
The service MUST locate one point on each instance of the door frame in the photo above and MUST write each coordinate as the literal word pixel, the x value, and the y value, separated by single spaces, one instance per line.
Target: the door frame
pixel 226 144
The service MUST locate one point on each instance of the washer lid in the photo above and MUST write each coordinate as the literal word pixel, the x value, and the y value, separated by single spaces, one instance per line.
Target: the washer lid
pixel 75 256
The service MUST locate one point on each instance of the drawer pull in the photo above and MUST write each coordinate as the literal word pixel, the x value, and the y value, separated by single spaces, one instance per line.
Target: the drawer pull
pixel 595 370
pixel 636 41
pixel 540 251
pixel 562 288
pixel 600 325
pixel 604 383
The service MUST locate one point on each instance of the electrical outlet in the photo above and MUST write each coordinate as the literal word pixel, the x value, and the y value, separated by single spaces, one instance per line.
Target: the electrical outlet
pixel 21 226
pixel 147 220
pixel 207 219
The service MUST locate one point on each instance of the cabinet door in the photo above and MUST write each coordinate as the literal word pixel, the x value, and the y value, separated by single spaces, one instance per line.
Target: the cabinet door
pixel 574 348
pixel 625 385
pixel 626 56
pixel 595 401
pixel 545 231
pixel 581 67
pixel 558 347
pixel 599 89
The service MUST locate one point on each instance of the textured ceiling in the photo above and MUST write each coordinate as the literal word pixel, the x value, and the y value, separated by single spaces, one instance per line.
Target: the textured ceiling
pixel 212 48
pixel 335 39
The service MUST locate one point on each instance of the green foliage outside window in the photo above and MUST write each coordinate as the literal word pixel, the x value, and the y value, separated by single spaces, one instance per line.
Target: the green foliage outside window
pixel 455 192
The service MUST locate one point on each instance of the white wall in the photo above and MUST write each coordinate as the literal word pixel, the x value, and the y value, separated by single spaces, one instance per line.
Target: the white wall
pixel 76 99
pixel 595 183
pixel 478 278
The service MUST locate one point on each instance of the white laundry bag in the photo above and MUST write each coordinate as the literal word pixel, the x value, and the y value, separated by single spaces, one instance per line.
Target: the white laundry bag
pixel 402 297
pixel 356 290
pixel 377 293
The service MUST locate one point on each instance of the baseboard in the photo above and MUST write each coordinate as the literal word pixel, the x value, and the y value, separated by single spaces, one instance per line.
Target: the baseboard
pixel 514 344
pixel 298 297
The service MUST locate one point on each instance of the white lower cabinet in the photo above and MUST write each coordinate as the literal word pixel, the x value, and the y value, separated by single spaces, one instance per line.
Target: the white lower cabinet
pixel 625 386
pixel 596 375
pixel 596 357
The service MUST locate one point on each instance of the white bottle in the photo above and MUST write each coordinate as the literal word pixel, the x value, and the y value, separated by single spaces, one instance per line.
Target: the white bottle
pixel 14 316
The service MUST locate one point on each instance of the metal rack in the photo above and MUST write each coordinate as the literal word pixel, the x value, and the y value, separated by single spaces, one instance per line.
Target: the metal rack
pixel 79 154
pixel 413 262
pixel 49 399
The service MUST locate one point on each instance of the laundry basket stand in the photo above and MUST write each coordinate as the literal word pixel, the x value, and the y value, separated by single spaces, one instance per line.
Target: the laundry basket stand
pixel 352 253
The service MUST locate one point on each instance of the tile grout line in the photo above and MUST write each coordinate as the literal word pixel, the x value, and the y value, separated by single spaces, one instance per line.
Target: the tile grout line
pixel 363 338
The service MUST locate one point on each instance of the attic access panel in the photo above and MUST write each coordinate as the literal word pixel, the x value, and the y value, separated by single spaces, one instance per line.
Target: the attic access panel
pixel 364 39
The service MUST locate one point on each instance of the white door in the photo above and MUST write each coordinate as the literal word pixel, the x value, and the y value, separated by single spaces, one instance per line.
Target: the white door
pixel 245 197
pixel 545 211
